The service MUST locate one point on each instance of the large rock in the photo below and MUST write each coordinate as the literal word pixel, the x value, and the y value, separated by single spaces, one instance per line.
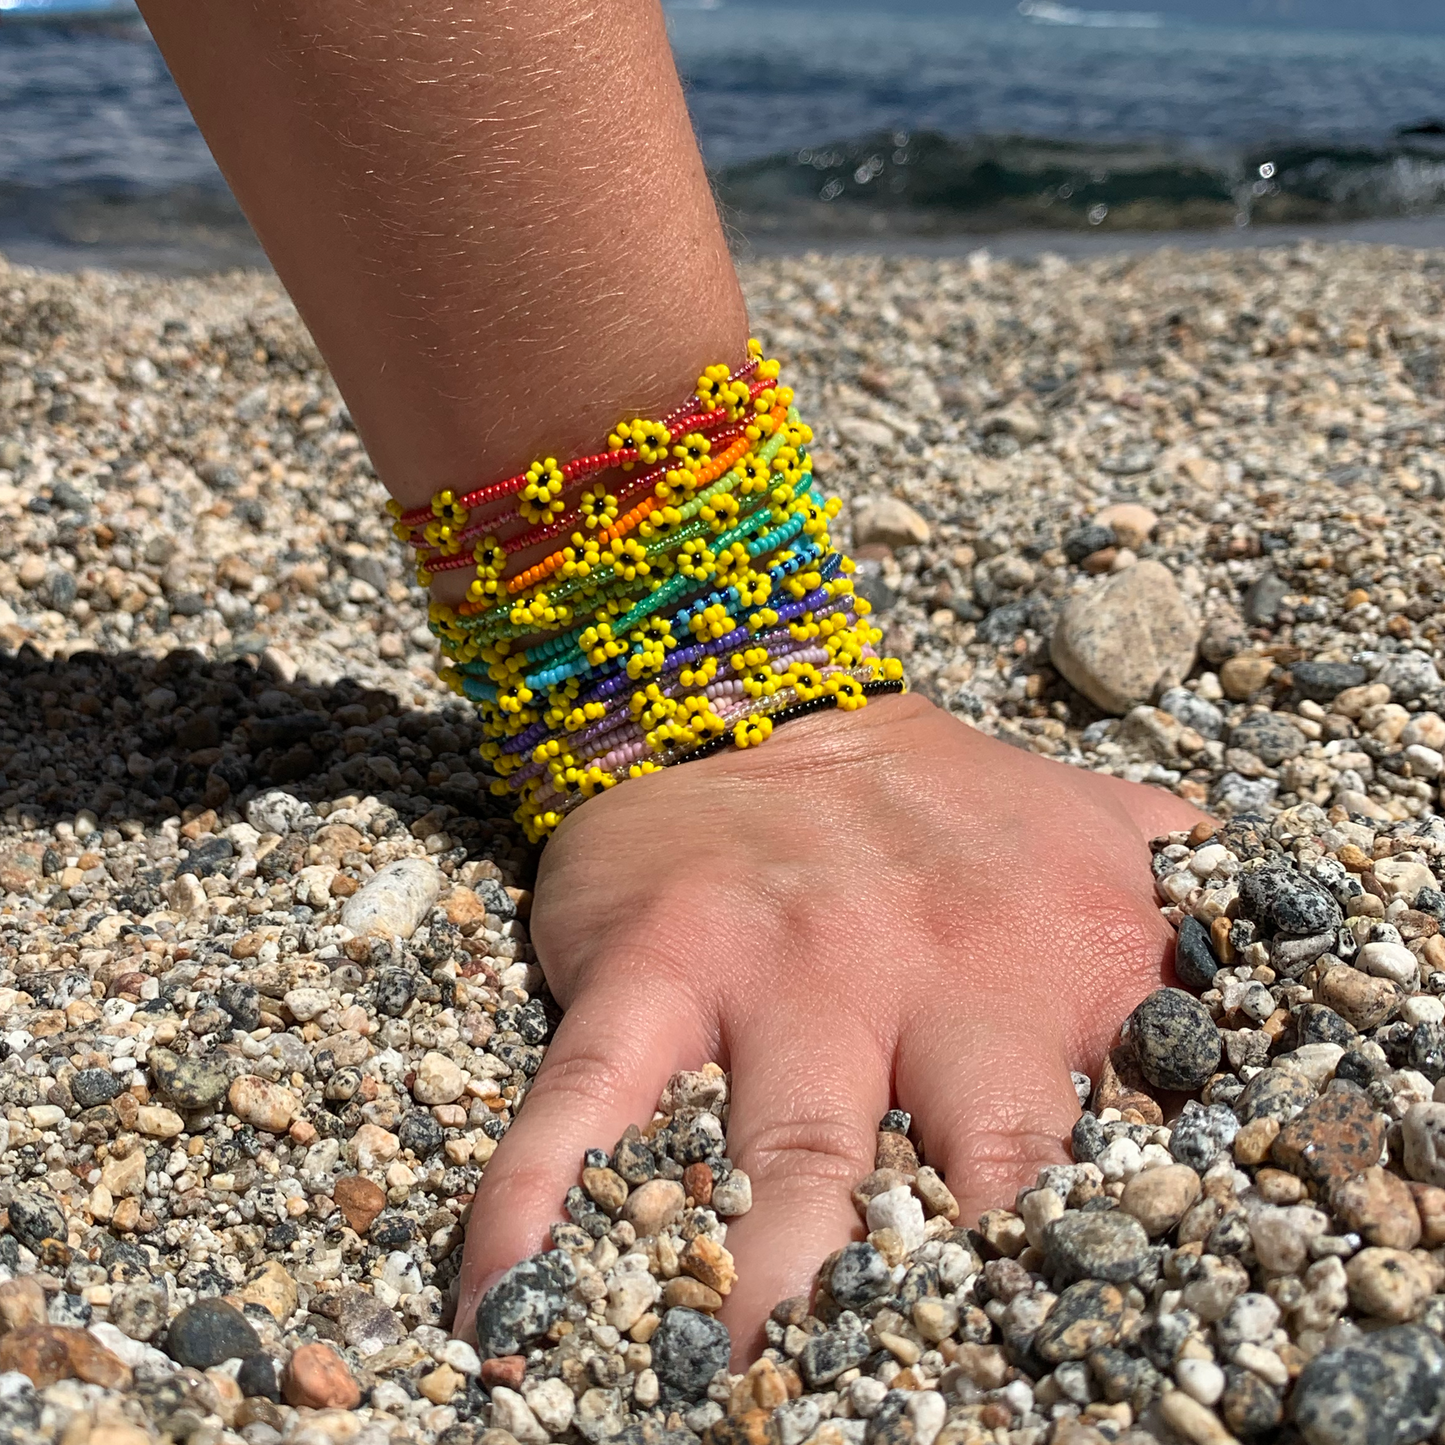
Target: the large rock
pixel 396 900
pixel 1118 642
pixel 888 522
pixel 1387 1389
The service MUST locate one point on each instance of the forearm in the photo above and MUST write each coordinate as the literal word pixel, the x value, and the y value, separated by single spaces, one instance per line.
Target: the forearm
pixel 492 215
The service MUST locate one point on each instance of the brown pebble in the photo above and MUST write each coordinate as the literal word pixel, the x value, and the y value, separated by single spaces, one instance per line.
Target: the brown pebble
pixel 317 1376
pixel 50 1353
pixel 936 1196
pixel 751 1427
pixel 605 1188
pixel 1121 1087
pixel 895 1152
pixel 1277 1186
pixel 1331 1139
pixel 506 1370
pixel 697 1181
pixel 1430 1206
pixel 1201 833
pixel 1379 1207
pixel 359 1201
pixel 708 1261
pixel 22 1303
pixel 1253 1142
pixel 687 1293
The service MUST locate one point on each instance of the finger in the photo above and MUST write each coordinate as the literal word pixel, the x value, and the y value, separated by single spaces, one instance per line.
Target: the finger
pixel 804 1124
pixel 992 1102
pixel 1151 810
pixel 605 1069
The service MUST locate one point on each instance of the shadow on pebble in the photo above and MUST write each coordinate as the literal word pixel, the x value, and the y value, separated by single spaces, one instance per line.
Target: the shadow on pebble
pixel 126 741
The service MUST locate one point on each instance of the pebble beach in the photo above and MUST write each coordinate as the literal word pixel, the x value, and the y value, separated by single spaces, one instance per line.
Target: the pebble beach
pixel 267 993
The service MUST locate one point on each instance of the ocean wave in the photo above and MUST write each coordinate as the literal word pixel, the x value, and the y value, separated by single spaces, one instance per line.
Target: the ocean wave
pixel 1047 12
pixel 929 183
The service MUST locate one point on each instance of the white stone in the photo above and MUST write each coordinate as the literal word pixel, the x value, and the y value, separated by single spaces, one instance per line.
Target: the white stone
pixel 306 1003
pixel 897 1209
pixel 630 1295
pixel 1202 1380
pixel 1423 1008
pixel 1423 1129
pixel 553 1404
pixel 1315 1061
pixel 460 1356
pixel 1390 960
pixel 1209 858
pixel 131 1352
pixel 401 1273
pixel 796 1420
pixel 866 1394
pixel 312 886
pixel 510 1412
pixel 45 1116
pixel 1120 1160
pixel 394 902
pixel 438 1080
pixel 927 1410
pixel 1401 878
pixel 1425 761
pixel 733 1196
pixel 276 812
pixel 1251 1317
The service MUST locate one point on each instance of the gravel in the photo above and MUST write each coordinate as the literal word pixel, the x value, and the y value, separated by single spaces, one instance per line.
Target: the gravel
pixel 268 993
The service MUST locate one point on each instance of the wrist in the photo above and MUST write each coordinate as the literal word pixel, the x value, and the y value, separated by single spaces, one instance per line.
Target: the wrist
pixel 671 595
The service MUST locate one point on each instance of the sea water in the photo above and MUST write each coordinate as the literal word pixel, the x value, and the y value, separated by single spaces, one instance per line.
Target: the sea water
pixel 829 122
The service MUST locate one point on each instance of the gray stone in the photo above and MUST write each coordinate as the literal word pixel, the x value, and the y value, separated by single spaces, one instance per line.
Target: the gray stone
pixel 826 1356
pixel 1201 1133
pixel 190 1083
pixel 395 900
pixel 34 1218
pixel 1387 1389
pixel 1285 901
pixel 1118 641
pixel 1103 1245
pixel 1175 1041
pixel 524 1303
pixel 1324 681
pixel 1274 1094
pixel 1409 675
pixel 209 1331
pixel 860 1274
pixel 1262 599
pixel 1270 736
pixel 688 1349
pixel 365 1321
pixel 276 812
pixel 1234 793
pixel 1193 711
pixel 1194 958
pixel 90 1087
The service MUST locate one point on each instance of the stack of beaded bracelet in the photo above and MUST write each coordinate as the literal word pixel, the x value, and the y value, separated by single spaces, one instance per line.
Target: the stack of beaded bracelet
pixel 650 604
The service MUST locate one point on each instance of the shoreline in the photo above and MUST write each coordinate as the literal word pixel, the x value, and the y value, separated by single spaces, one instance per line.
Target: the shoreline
pixel 200 251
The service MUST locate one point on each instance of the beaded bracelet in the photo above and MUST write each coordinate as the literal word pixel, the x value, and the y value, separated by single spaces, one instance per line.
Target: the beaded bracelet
pixel 696 603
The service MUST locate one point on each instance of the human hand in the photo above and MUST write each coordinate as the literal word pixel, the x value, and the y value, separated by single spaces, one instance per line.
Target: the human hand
pixel 888 906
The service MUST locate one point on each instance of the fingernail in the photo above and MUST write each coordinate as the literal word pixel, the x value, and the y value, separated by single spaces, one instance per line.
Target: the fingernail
pixel 464 1327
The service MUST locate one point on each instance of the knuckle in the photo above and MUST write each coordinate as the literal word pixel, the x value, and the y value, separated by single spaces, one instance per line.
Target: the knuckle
pixel 819 1150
